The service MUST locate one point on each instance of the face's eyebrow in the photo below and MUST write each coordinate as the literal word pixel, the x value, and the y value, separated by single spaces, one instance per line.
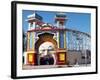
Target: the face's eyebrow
pixel 42 50
pixel 50 47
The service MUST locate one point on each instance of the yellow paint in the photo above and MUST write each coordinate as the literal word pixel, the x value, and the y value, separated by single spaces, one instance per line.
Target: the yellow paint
pixel 33 40
pixel 64 39
pixel 28 40
pixel 30 58
pixel 62 57
pixel 58 40
pixel 28 44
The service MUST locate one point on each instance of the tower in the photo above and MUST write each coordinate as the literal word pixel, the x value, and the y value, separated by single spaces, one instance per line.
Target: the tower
pixel 60 20
pixel 34 22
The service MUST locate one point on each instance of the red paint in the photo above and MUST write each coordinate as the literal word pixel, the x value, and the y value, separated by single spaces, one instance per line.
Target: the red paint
pixel 52 29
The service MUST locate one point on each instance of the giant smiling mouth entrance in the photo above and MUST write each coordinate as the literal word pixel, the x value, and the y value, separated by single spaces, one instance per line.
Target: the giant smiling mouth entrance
pixel 47 60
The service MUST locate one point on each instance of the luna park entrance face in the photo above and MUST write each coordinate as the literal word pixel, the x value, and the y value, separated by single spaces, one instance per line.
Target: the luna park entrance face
pixel 46 53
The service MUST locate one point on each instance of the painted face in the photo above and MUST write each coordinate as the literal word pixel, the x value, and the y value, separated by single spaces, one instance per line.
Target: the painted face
pixel 46 51
pixel 46 48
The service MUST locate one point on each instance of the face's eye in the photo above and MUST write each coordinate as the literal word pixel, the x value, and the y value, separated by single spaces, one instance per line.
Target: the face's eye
pixel 43 50
pixel 50 48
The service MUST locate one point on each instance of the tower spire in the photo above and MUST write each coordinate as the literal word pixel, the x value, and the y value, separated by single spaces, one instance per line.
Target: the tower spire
pixel 34 21
pixel 60 19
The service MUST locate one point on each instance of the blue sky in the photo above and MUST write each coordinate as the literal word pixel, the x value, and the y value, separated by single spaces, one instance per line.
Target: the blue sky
pixel 77 21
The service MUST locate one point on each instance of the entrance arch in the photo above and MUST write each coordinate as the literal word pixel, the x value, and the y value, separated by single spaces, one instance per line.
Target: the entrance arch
pixel 45 39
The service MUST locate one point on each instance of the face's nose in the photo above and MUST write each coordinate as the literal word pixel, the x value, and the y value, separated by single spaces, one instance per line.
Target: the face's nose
pixel 45 52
